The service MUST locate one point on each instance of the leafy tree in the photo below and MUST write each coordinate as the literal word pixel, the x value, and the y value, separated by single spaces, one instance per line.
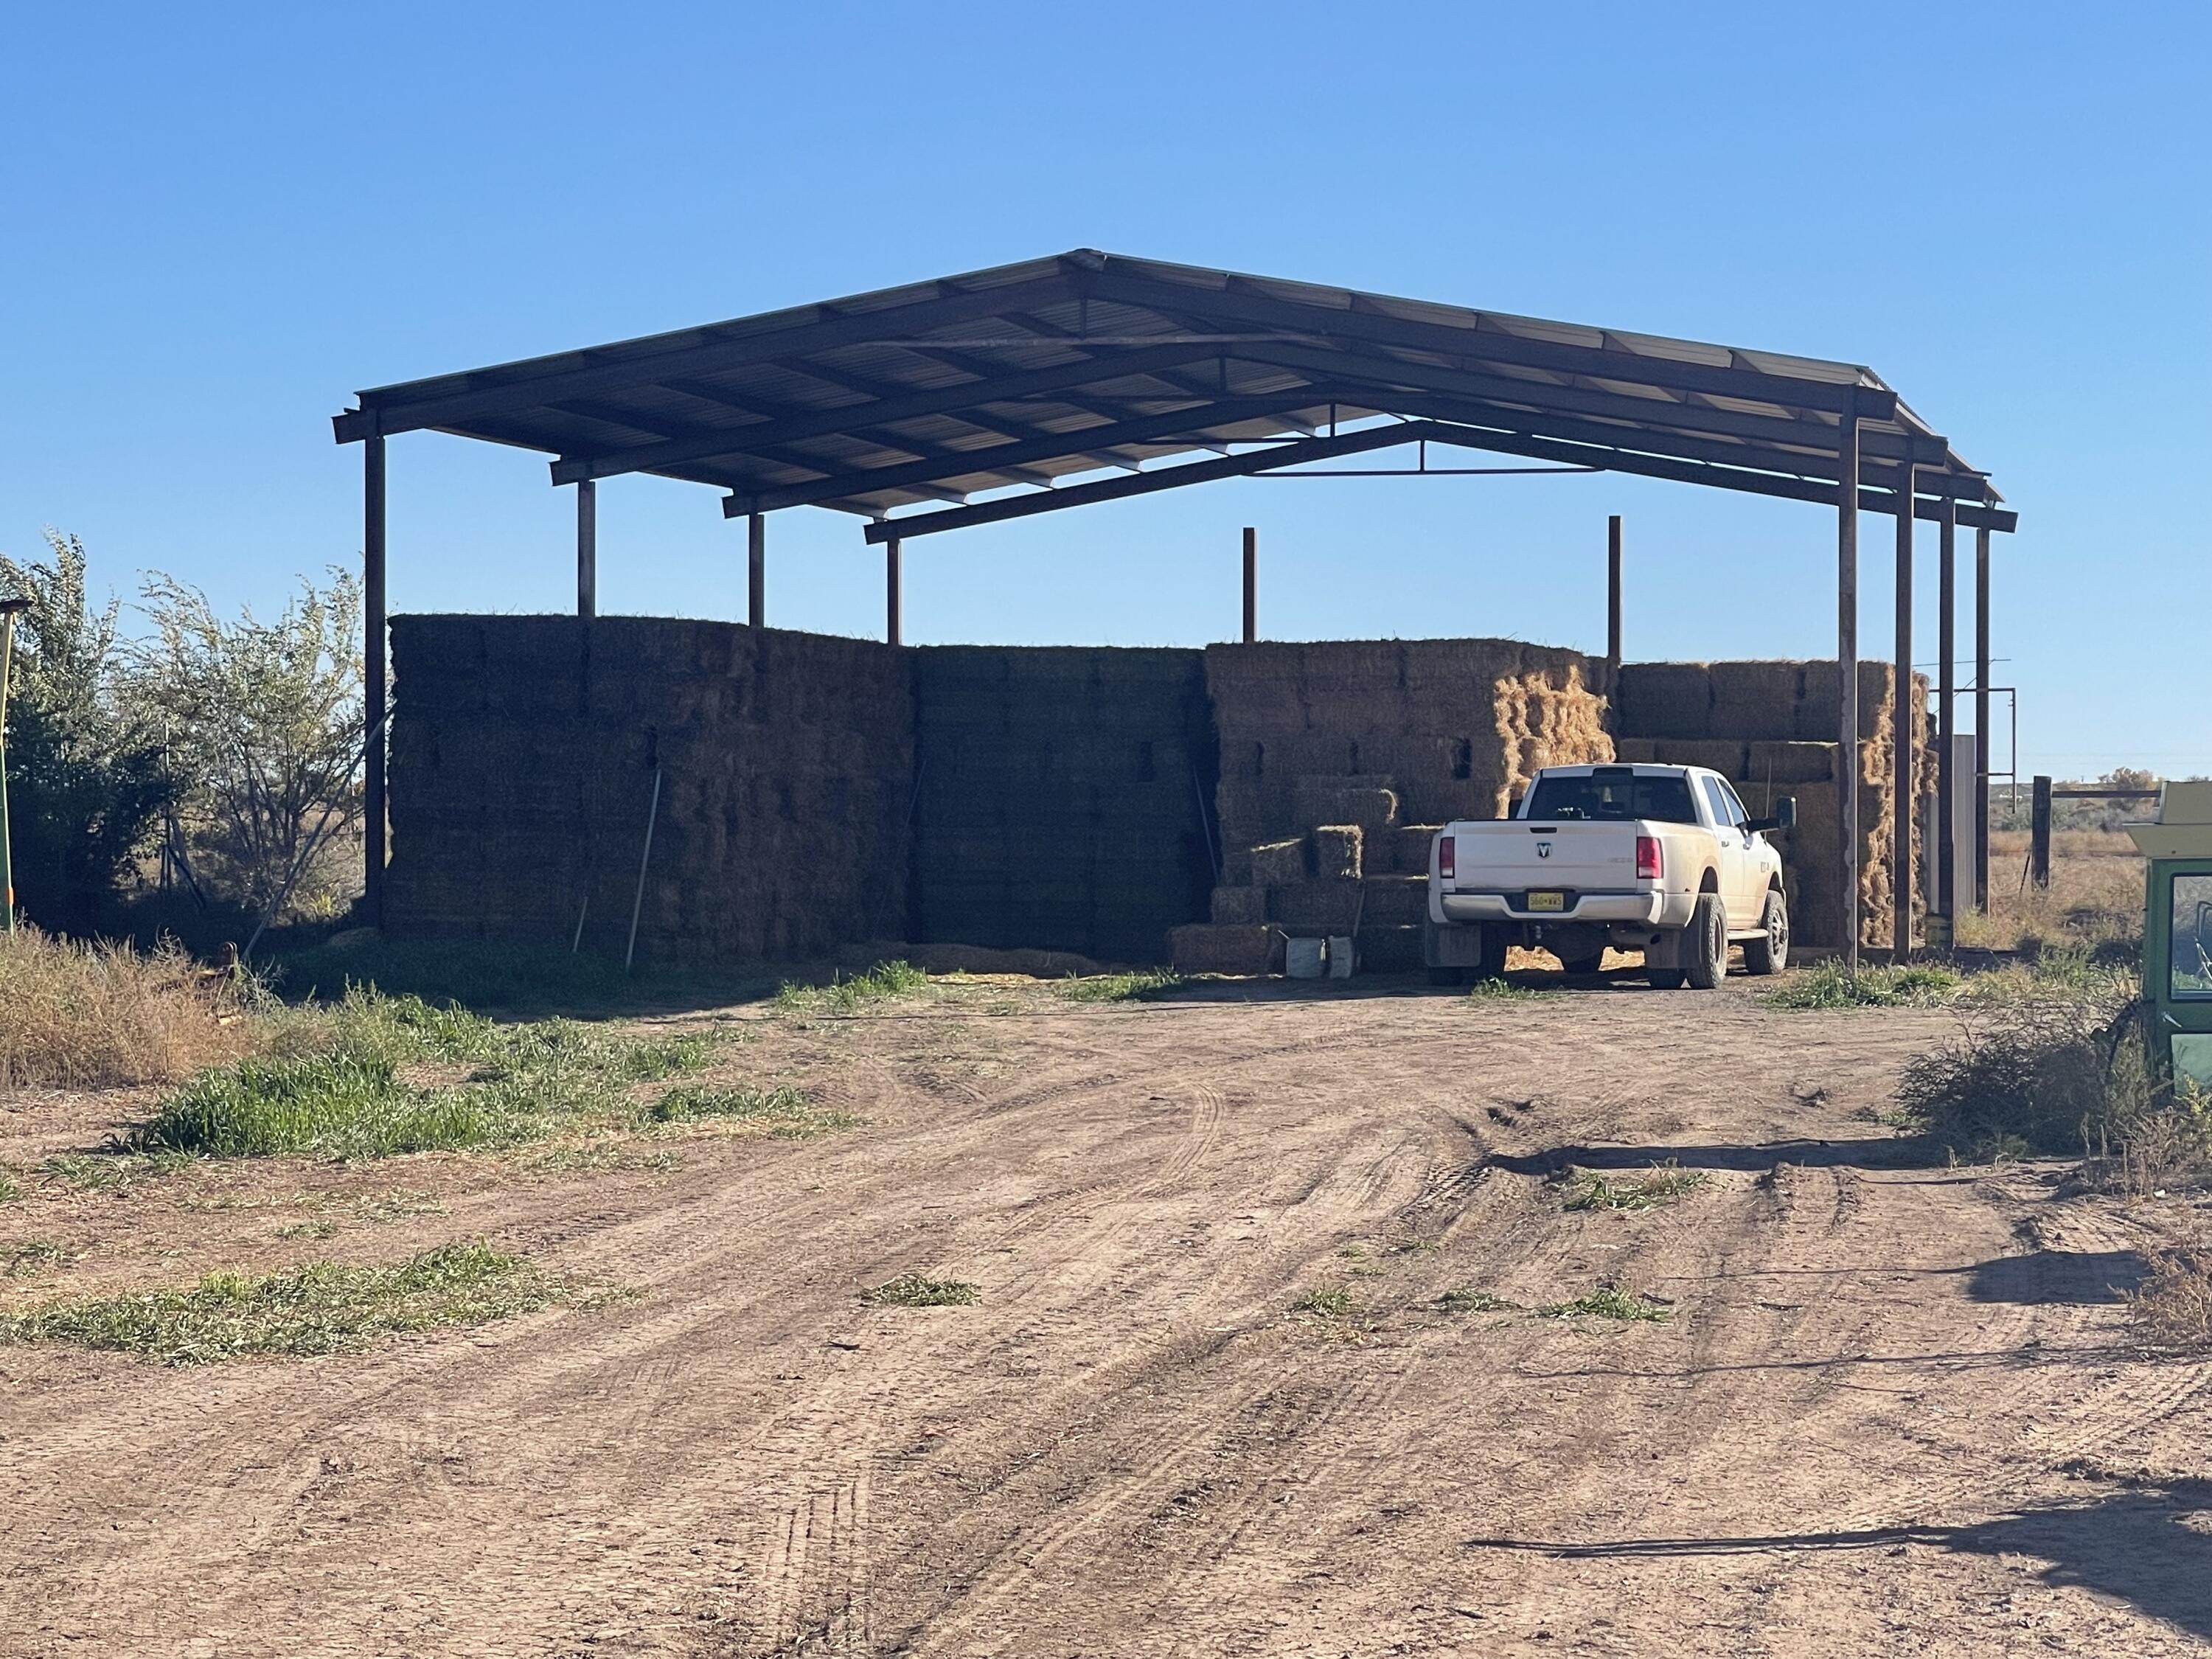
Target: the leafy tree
pixel 269 716
pixel 87 783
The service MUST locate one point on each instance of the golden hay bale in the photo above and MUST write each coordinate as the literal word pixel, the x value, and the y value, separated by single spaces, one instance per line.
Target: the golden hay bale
pixel 1665 700
pixel 1338 855
pixel 1202 948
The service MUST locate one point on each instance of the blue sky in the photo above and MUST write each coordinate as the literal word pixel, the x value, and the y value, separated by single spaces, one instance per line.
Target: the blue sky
pixel 215 225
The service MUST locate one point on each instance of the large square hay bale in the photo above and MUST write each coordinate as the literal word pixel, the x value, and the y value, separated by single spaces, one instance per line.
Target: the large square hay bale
pixel 1409 845
pixel 1395 901
pixel 1326 800
pixel 1389 950
pixel 1786 762
pixel 1204 948
pixel 1309 908
pixel 1665 700
pixel 1280 863
pixel 1337 851
pixel 1240 906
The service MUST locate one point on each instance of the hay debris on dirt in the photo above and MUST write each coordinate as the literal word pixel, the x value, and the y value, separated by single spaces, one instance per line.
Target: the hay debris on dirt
pixel 920 1291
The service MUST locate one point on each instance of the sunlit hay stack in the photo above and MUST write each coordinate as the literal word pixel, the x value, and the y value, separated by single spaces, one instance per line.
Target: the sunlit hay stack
pixel 99 1016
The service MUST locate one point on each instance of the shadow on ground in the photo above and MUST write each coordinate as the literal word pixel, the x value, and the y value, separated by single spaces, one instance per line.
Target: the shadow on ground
pixel 2142 1545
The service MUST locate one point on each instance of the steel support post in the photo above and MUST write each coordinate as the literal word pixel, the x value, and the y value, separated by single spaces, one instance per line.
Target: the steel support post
pixel 1251 585
pixel 372 708
pixel 1982 750
pixel 1904 720
pixel 891 626
pixel 588 548
pixel 1613 596
pixel 1947 713
pixel 757 569
pixel 1847 677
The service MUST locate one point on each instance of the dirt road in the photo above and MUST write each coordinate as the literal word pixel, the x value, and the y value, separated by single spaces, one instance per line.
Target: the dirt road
pixel 1889 1414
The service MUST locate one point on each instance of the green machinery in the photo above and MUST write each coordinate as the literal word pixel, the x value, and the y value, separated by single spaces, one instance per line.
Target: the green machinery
pixel 2178 930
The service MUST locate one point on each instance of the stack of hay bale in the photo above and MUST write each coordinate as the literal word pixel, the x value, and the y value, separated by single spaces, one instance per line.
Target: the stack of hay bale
pixel 524 753
pixel 1061 797
pixel 1339 759
pixel 1772 729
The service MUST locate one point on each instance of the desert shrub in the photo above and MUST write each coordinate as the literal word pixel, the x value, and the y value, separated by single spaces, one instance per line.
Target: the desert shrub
pixel 2032 1076
pixel 2172 1308
pixel 96 1016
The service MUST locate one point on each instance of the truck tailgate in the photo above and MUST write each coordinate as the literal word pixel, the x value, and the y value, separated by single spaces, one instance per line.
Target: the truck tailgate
pixel 1513 856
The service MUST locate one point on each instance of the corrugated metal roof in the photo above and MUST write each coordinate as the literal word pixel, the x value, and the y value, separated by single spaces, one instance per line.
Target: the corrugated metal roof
pixel 1027 374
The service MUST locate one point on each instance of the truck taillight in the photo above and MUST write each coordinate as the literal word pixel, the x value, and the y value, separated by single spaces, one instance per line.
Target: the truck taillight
pixel 1648 867
pixel 1446 859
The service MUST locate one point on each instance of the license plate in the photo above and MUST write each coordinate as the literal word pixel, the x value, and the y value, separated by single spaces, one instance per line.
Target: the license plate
pixel 1548 902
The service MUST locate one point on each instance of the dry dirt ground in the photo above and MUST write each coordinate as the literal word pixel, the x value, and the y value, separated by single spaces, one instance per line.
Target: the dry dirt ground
pixel 1892 1412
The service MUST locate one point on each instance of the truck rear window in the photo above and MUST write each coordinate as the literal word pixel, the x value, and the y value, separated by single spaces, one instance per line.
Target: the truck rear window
pixel 1662 799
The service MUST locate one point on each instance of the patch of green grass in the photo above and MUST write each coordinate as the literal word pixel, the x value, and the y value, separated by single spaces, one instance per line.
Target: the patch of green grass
pixel 11 1190
pixel 847 995
pixel 346 1098
pixel 1466 1299
pixel 1138 986
pixel 783 1111
pixel 1587 1189
pixel 917 1291
pixel 320 1308
pixel 318 1229
pixel 1830 985
pixel 1609 1301
pixel 1504 990
pixel 1329 1302
pixel 30 1255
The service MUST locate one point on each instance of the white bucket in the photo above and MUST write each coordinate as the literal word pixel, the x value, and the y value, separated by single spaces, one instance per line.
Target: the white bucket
pixel 1339 955
pixel 1305 958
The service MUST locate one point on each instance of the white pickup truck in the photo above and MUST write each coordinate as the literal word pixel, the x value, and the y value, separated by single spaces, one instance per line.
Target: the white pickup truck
pixel 1658 859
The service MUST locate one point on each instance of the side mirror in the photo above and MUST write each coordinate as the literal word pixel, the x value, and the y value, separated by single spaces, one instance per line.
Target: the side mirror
pixel 1785 816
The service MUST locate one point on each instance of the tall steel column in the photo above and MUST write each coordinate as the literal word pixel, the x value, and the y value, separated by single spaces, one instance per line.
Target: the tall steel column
pixel 1904 713
pixel 757 569
pixel 373 710
pixel 1982 717
pixel 1847 676
pixel 588 548
pixel 892 627
pixel 1251 583
pixel 1612 593
pixel 1946 713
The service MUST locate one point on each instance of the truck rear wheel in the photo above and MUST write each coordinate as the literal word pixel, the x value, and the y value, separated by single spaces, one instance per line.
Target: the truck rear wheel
pixel 1769 953
pixel 1705 951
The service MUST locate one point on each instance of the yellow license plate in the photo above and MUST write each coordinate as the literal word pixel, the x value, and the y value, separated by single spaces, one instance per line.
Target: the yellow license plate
pixel 1547 901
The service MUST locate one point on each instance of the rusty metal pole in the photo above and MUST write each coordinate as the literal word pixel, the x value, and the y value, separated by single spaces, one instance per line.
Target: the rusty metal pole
pixel 1947 714
pixel 757 569
pixel 1251 585
pixel 1613 594
pixel 2038 833
pixel 1847 675
pixel 1981 749
pixel 587 547
pixel 891 623
pixel 372 591
pixel 1903 721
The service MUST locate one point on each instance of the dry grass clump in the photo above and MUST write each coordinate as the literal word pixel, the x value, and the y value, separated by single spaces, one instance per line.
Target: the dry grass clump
pixel 1661 1183
pixel 101 1016
pixel 2095 898
pixel 2173 1307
